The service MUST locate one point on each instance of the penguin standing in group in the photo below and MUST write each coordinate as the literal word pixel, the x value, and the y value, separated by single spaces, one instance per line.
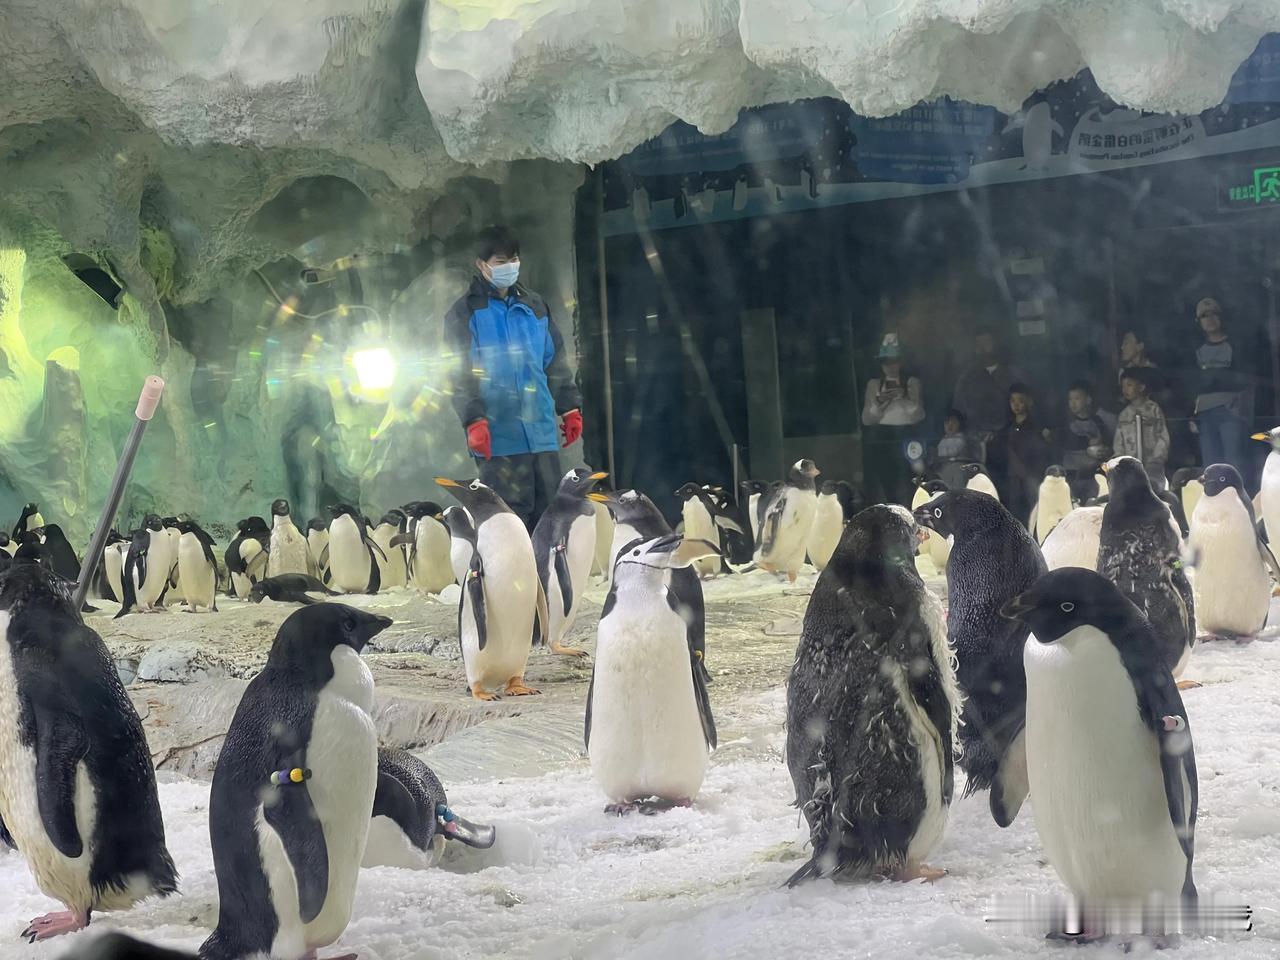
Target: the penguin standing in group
pixel 733 538
pixel 649 727
pixel 147 568
pixel 872 708
pixel 352 562
pixel 828 525
pixel 600 566
pixel 1140 551
pixel 1110 760
pixel 503 607
pixel 1233 567
pixel 787 522
pixel 293 790
pixel 108 582
pixel 197 568
pixel 1074 541
pixel 1052 504
pixel 29 521
pixel 318 549
pixel 288 552
pixel 977 478
pixel 1269 494
pixel 699 525
pixel 393 570
pixel 993 559
pixel 1186 486
pixel 462 541
pixel 564 542
pixel 412 821
pixel 78 791
pixel 7 544
pixel 428 541
pixel 935 547
pixel 247 555
pixel 749 493
pixel 173 535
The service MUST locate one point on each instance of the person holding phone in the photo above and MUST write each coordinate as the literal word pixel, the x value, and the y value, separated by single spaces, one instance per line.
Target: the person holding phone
pixel 891 411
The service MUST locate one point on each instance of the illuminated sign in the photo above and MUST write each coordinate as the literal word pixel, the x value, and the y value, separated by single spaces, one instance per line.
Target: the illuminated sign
pixel 1261 188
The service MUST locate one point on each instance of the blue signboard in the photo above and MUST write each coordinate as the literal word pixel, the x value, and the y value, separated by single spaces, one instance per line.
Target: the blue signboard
pixel 929 143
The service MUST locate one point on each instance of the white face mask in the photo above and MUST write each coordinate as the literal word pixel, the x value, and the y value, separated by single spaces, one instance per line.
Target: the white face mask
pixel 504 274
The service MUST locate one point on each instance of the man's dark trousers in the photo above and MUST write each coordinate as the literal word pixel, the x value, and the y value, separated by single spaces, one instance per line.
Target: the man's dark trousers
pixel 526 481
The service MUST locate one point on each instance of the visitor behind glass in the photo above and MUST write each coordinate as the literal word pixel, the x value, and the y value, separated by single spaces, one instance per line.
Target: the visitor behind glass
pixel 1223 398
pixel 982 392
pixel 956 447
pixel 1019 453
pixel 892 409
pixel 1086 442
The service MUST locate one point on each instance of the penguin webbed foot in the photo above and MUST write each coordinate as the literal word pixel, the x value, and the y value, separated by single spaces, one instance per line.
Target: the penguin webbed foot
pixel 1189 684
pixel 917 871
pixel 516 688
pixel 479 693
pixel 621 809
pixel 55 925
pixel 561 650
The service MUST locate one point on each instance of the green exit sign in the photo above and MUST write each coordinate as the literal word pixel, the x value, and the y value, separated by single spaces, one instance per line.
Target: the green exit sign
pixel 1260 187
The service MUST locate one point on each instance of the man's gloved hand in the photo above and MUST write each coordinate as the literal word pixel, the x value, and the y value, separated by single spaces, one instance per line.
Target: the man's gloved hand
pixel 571 426
pixel 478 438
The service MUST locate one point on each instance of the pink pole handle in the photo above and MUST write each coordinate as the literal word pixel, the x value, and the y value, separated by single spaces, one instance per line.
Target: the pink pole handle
pixel 149 400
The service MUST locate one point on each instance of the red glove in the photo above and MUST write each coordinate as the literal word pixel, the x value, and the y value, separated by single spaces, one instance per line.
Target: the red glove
pixel 478 439
pixel 571 426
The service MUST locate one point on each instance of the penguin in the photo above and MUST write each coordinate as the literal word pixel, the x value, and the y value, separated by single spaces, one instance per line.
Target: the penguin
pixel 699 525
pixel 293 789
pixel 1186 486
pixel 502 607
pixel 351 552
pixel 1052 504
pixel 462 541
pixel 935 547
pixel 411 820
pixel 1110 758
pixel 63 556
pixel 31 549
pixel 788 518
pixel 172 535
pixel 977 478
pixel 147 567
pixel 600 566
pixel 732 539
pixel 1074 541
pixel 134 572
pixel 872 708
pixel 1233 567
pixel 28 521
pixel 288 552
pixel 78 791
pixel 318 548
pixel 247 555
pixel 7 544
pixel 289 588
pixel 564 541
pixel 648 728
pixel 111 566
pixel 430 546
pixel 393 570
pixel 993 559
pixel 749 493
pixel 1038 128
pixel 1140 551
pixel 828 524
pixel 1269 494
pixel 197 568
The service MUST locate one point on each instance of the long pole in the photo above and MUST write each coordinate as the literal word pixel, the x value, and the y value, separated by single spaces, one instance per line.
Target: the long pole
pixel 604 326
pixel 148 401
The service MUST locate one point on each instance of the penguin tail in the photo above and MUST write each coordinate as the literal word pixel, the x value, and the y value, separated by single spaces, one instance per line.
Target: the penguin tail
pixel 810 871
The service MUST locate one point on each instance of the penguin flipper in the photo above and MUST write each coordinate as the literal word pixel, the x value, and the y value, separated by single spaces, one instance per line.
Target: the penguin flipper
pixel 375 572
pixel 324 558
pixel 563 578
pixel 292 815
pixel 586 725
pixel 475 592
pixel 684 596
pixel 542 619
pixel 1269 559
pixel 1009 787
pixel 704 701
pixel 60 746
pixel 393 799
pixel 374 548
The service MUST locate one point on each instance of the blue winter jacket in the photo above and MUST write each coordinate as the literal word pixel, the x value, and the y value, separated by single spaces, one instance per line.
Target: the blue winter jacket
pixel 509 368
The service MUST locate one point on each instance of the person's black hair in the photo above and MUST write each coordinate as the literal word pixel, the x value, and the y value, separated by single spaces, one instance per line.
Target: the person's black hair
pixel 1137 375
pixel 1021 388
pixel 1083 386
pixel 953 412
pixel 499 240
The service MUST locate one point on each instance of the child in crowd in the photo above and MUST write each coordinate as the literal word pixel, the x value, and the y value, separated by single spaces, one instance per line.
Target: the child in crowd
pixel 1153 449
pixel 1087 440
pixel 1019 453
pixel 956 447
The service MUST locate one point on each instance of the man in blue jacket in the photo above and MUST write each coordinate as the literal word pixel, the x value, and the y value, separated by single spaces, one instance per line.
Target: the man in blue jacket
pixel 512 387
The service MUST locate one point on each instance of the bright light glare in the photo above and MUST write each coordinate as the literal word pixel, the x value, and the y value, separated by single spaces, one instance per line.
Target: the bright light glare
pixel 375 369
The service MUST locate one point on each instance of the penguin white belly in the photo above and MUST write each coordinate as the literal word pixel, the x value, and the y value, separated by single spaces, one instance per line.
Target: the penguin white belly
pixel 317 541
pixel 1271 499
pixel 1192 491
pixel 786 553
pixel 1075 540
pixel 1232 587
pixel 753 504
pixel 348 556
pixel 600 563
pixel 698 525
pixel 174 537
pixel 459 558
pixel 251 556
pixel 1053 505
pixel 159 566
pixel 389 846
pixel 195 575
pixel 928 745
pixel 579 554
pixel 288 550
pixel 113 561
pixel 828 525
pixel 392 571
pixel 1097 789
pixel 510 591
pixel 646 734
pixel 432 560
pixel 982 483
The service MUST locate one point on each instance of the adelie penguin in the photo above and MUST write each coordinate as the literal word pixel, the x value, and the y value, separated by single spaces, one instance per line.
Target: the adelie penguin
pixel 649 727
pixel 290 588
pixel 872 707
pixel 977 478
pixel 1186 486
pixel 1233 567
pixel 393 570
pixel 288 552
pixel 993 559
pixel 28 521
pixel 78 791
pixel 935 547
pixel 147 568
pixel 65 562
pixel 293 790
pixel 564 543
pixel 352 559
pixel 1052 504
pixel 429 544
pixel 1109 753
pixel 108 582
pixel 1075 540
pixel 247 555
pixel 318 548
pixel 502 608
pixel 197 568
pixel 828 525
pixel 699 525
pixel 787 521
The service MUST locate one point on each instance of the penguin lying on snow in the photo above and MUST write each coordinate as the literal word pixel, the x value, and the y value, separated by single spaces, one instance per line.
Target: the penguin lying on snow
pixel 1109 753
pixel 78 791
pixel 787 521
pixel 412 821
pixel 564 543
pixel 293 789
pixel 290 588
pixel 872 706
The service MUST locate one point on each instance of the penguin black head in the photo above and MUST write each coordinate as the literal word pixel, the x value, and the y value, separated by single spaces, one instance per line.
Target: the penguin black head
pixel 667 552
pixel 882 539
pixel 1053 470
pixel 34 585
pixel 120 946
pixel 311 634
pixel 280 508
pixel 579 482
pixel 29 510
pixel 113 536
pixel 315 523
pixel 190 526
pixel 4 539
pixel 153 523
pixel 1182 476
pixel 751 488
pixel 829 488
pixel 1067 598
pixel 345 510
pixel 252 526
pixel 955 511
pixel 689 491
pixel 971 470
pixel 418 509
pixel 477 496
pixel 1219 476
pixel 804 468
pixel 393 517
pixel 1271 436
pixel 631 507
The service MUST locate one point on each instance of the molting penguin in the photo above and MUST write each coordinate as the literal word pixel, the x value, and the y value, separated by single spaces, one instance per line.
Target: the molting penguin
pixel 351 552
pixel 872 706
pixel 699 525
pixel 318 548
pixel 412 821
pixel 1109 753
pixel 288 550
pixel 197 568
pixel 993 559
pixel 828 524
pixel 247 555
pixel 293 789
pixel 787 521
pixel 1052 504
pixel 977 478
pixel 502 607
pixel 1074 541
pixel 935 547
pixel 78 791
pixel 1269 495
pixel 648 720
pixel 393 569
pixel 1140 551
pixel 564 541
pixel 290 588
pixel 429 545
pixel 1233 566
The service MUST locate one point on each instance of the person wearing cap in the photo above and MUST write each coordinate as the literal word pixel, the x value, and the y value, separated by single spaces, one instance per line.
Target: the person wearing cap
pixel 891 413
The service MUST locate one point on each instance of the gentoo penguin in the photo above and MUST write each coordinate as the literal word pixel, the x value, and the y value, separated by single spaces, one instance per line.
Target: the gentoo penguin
pixel 1074 541
pixel 648 725
pixel 428 542
pixel 290 588
pixel 784 529
pixel 1186 486
pixel 1052 504
pixel 288 551
pixel 462 541
pixel 247 555
pixel 1233 567
pixel 977 478
pixel 699 525
pixel 934 546
pixel 1140 551
pixel 293 789
pixel 1109 755
pixel 147 568
pixel 318 548
pixel 412 821
pixel 78 791
pixel 197 568
pixel 749 493
pixel 564 541
pixel 1269 495
pixel 503 606
pixel 828 524
pixel 393 569
pixel 872 707
pixel 351 552
pixel 993 559
pixel 65 562
pixel 28 521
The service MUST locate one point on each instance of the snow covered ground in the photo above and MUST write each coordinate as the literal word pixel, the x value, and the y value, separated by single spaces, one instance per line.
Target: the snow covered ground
pixel 566 880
